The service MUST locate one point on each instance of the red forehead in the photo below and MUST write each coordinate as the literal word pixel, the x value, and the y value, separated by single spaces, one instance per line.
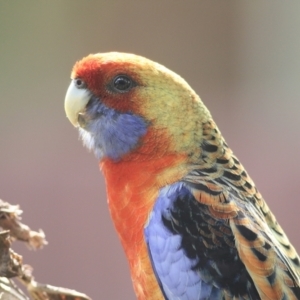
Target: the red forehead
pixel 97 73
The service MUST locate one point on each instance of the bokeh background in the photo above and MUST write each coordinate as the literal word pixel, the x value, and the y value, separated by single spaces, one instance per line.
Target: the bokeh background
pixel 242 57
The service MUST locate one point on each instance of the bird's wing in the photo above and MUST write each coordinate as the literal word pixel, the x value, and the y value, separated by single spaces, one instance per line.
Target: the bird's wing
pixel 174 246
pixel 273 272
pixel 199 249
pixel 215 235
pixel 227 193
pixel 221 183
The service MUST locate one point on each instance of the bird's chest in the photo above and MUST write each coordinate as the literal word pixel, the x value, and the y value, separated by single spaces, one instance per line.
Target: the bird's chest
pixel 130 199
pixel 132 189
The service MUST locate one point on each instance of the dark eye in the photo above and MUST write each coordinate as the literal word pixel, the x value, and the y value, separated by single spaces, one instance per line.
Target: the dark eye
pixel 79 83
pixel 122 83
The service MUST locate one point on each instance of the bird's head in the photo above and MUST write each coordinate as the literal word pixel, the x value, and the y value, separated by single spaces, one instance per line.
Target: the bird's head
pixel 118 99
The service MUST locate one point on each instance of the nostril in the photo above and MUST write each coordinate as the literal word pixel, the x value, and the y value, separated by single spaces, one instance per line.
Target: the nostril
pixel 82 120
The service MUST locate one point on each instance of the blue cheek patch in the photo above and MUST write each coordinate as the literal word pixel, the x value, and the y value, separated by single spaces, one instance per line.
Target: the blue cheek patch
pixel 110 133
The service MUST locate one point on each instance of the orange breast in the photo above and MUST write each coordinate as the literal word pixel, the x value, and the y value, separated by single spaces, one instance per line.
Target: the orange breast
pixel 132 188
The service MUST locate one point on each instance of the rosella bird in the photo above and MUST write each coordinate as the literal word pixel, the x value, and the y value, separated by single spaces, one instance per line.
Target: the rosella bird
pixel 190 219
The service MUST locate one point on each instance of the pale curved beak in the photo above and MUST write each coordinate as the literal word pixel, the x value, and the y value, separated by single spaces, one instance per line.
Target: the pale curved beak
pixel 75 102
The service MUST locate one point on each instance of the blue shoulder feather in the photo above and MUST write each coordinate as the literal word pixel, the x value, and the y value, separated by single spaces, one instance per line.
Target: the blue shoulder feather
pixel 175 271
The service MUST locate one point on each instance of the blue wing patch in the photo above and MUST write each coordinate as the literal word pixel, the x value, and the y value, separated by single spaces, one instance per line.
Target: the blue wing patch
pixel 176 273
pixel 193 252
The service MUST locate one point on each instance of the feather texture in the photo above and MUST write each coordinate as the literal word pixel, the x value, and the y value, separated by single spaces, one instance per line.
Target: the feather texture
pixel 191 221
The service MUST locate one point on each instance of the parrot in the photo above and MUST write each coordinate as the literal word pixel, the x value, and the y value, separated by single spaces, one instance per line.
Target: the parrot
pixel 190 219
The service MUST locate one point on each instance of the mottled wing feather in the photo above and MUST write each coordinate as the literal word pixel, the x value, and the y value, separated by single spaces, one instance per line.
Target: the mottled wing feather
pixel 176 271
pixel 193 252
pixel 222 184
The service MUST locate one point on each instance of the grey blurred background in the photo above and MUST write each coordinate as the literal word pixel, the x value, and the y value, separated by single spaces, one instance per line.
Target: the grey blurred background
pixel 242 58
